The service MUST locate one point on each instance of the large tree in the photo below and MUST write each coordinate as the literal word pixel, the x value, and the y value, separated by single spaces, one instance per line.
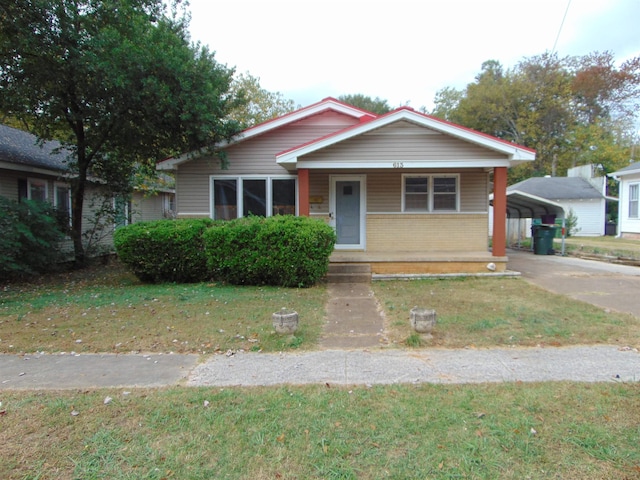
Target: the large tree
pixel 118 82
pixel 373 105
pixel 572 110
pixel 262 105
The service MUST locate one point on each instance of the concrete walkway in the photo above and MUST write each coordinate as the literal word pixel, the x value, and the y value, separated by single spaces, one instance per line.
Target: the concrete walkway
pixel 354 319
pixel 345 367
pixel 339 367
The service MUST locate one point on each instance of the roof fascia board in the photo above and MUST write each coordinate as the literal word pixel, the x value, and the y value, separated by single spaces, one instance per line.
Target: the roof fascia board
pixel 623 173
pixel 515 152
pixel 394 164
pixel 328 104
pixel 20 167
pixel 536 199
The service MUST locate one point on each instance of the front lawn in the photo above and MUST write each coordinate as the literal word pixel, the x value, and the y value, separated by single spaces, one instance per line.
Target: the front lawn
pixel 501 312
pixel 506 431
pixel 106 309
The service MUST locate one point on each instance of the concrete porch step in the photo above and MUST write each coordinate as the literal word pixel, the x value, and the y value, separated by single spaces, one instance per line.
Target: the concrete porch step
pixel 349 273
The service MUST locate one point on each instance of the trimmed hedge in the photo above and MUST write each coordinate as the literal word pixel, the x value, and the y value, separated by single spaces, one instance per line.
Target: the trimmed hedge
pixel 165 250
pixel 284 251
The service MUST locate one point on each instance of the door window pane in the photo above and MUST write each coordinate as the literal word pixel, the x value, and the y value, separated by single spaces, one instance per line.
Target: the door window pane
pixel 284 197
pixel 254 198
pixel 225 199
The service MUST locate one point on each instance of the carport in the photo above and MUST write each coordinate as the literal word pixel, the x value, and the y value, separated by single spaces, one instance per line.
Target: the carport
pixel 525 205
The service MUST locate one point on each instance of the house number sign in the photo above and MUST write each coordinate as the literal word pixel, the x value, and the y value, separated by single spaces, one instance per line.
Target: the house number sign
pixel 398 164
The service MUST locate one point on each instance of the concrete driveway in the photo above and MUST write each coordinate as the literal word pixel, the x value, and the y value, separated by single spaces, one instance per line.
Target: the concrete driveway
pixel 606 285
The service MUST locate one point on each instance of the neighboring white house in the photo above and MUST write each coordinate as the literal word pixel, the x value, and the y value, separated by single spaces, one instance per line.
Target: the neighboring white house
pixel 581 191
pixel 628 209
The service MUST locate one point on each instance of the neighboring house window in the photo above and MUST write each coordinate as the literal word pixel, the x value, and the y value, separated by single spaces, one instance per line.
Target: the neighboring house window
pixel 430 193
pixel 263 196
pixel 169 206
pixel 37 189
pixel 62 199
pixel 633 200
pixel 122 211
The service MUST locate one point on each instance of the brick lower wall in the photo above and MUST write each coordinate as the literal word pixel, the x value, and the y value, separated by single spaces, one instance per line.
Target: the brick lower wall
pixel 427 233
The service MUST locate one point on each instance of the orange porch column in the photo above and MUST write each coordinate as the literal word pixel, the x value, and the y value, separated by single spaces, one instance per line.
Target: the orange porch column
pixel 303 192
pixel 499 211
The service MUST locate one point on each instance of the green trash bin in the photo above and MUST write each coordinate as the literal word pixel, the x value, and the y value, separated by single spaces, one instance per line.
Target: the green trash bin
pixel 543 236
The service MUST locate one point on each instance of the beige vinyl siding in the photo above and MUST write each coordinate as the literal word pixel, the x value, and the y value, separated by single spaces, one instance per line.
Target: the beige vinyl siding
pixel 9 184
pixel 474 191
pixel 255 156
pixel 402 142
pixel 384 189
pixel 319 189
pixel 147 207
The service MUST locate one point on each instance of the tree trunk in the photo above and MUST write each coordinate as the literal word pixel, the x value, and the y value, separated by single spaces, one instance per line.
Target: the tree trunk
pixel 78 186
pixel 77 205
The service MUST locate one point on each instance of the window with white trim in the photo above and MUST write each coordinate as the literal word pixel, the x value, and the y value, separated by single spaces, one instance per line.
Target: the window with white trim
pixel 37 189
pixel 122 211
pixel 62 200
pixel 234 197
pixel 430 193
pixel 633 200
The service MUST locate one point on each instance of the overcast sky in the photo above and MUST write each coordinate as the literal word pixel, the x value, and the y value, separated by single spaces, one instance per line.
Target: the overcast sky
pixel 401 51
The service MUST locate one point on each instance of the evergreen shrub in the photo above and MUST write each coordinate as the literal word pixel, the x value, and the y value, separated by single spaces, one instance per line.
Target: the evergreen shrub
pixel 31 238
pixel 164 250
pixel 284 251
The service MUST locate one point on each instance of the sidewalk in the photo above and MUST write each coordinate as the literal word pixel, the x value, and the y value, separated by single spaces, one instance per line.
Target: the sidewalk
pixel 339 367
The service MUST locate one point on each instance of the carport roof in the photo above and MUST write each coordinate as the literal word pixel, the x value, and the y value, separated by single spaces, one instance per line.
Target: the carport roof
pixel 525 205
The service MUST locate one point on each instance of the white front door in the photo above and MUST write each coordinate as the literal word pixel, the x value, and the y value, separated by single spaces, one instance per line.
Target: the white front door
pixel 348 210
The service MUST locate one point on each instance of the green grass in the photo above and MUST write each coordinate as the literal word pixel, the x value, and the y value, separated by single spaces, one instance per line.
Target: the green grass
pixel 499 312
pixel 108 310
pixel 606 246
pixel 514 430
pixel 114 312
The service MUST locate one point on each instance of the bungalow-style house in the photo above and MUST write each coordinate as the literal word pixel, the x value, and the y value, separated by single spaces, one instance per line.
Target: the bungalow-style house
pixel 629 199
pixel 32 171
pixel 406 193
pixel 582 192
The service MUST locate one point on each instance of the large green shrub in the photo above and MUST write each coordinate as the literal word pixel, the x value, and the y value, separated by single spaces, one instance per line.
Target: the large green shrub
pixel 164 250
pixel 30 238
pixel 282 250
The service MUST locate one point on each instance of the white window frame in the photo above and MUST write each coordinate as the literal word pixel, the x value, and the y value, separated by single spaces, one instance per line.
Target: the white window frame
pixel 56 186
pixel 634 200
pixel 128 208
pixel 240 189
pixel 38 181
pixel 430 192
pixel 169 205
